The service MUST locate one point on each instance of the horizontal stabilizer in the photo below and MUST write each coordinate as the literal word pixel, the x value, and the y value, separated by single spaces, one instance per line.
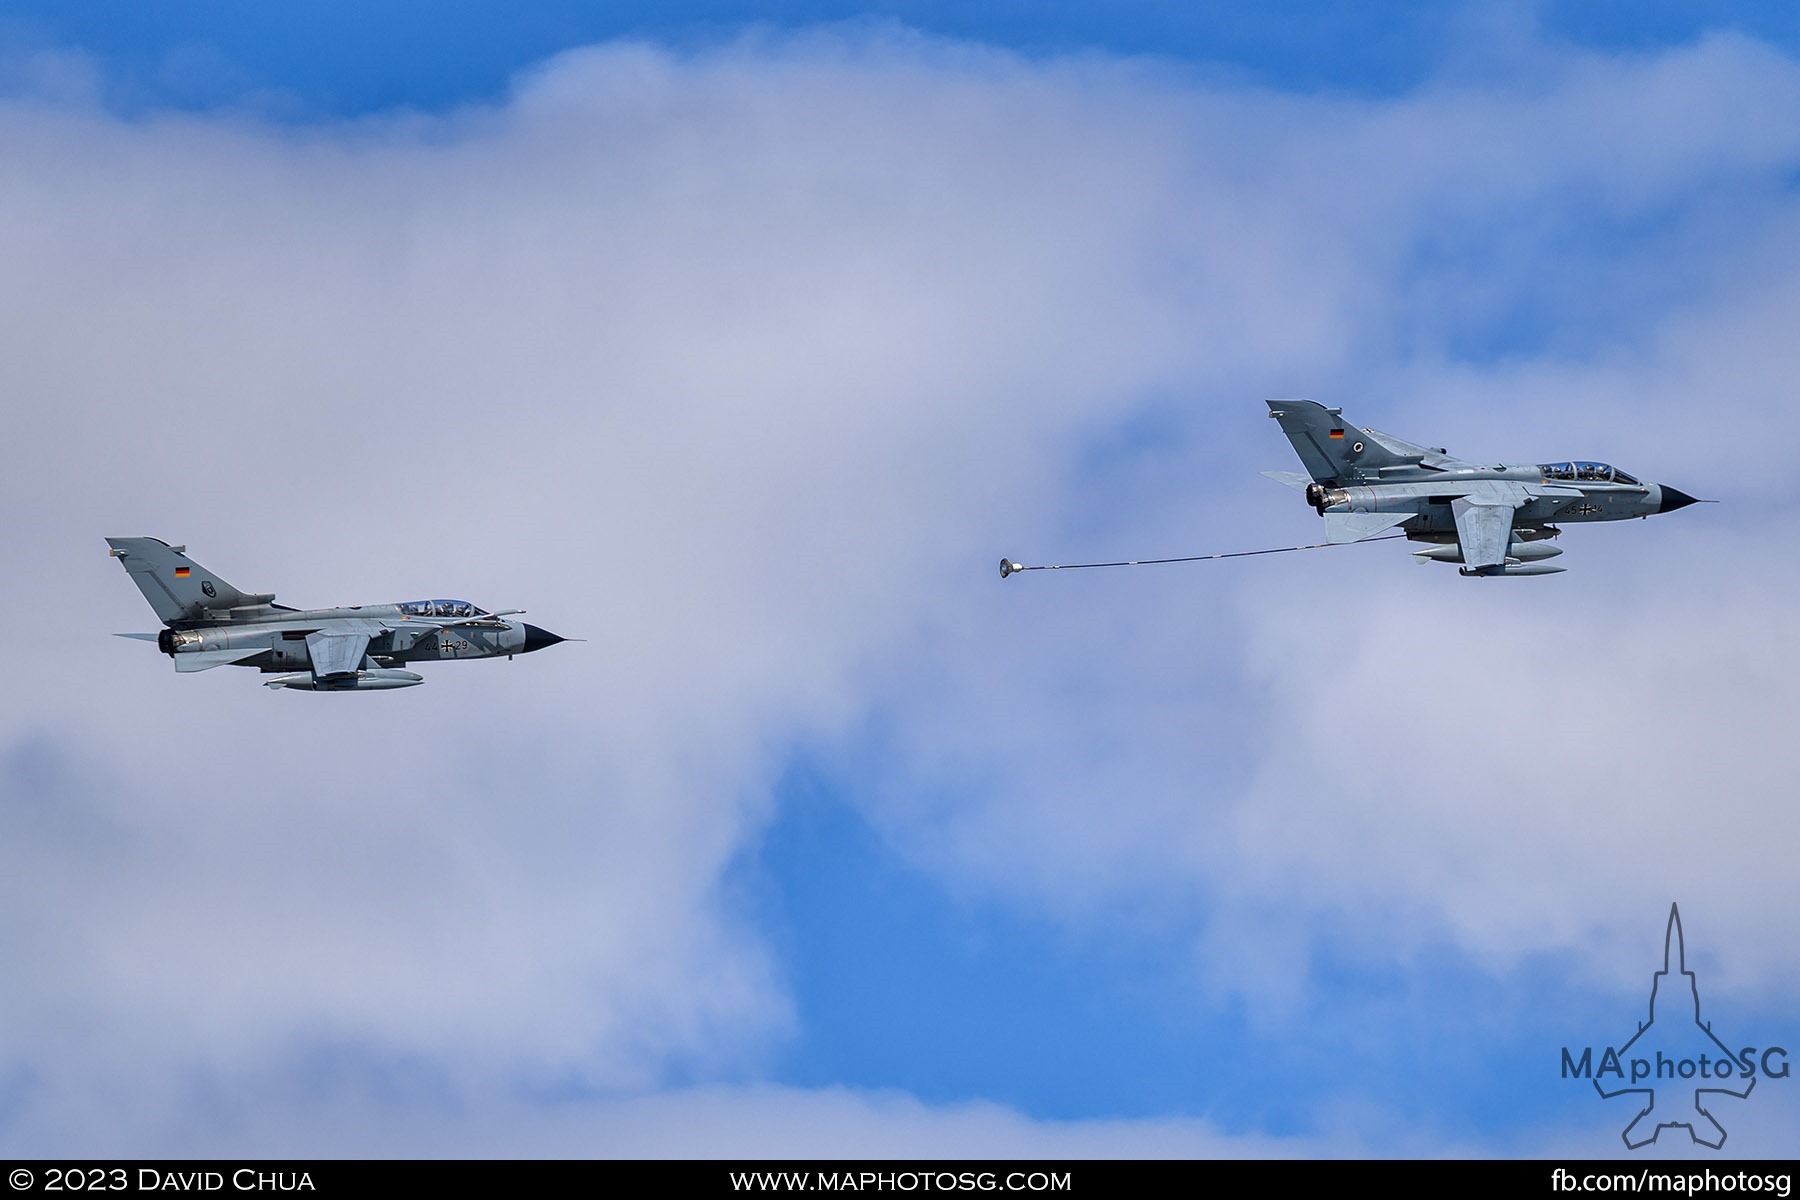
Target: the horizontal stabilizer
pixel 206 660
pixel 1291 479
pixel 1354 527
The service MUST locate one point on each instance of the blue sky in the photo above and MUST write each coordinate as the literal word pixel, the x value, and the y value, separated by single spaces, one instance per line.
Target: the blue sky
pixel 345 59
pixel 742 340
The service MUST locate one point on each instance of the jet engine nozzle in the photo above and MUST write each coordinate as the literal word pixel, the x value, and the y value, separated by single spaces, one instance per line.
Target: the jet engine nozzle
pixel 1322 497
pixel 174 641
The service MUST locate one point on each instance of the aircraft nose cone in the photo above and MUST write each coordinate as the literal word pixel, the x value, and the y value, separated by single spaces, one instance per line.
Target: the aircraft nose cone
pixel 537 639
pixel 1674 498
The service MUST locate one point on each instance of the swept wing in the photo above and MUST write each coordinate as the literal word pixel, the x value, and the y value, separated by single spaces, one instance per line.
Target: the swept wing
pixel 335 654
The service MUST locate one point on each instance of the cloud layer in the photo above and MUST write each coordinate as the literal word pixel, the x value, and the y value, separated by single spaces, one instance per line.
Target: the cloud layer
pixel 746 366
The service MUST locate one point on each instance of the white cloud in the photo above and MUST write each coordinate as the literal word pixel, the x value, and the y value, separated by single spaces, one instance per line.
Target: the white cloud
pixel 746 367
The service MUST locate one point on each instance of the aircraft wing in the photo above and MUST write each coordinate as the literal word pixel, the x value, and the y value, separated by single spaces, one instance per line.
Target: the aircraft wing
pixel 1484 522
pixel 336 653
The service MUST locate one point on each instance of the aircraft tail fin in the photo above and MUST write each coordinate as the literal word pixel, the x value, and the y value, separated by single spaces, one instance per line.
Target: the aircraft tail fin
pixel 1335 452
pixel 177 587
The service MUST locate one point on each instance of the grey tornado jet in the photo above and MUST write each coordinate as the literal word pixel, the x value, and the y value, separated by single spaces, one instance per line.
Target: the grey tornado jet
pixel 1493 519
pixel 358 649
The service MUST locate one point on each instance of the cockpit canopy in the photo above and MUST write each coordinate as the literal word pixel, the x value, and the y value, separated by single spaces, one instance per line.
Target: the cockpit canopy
pixel 1586 472
pixel 441 608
